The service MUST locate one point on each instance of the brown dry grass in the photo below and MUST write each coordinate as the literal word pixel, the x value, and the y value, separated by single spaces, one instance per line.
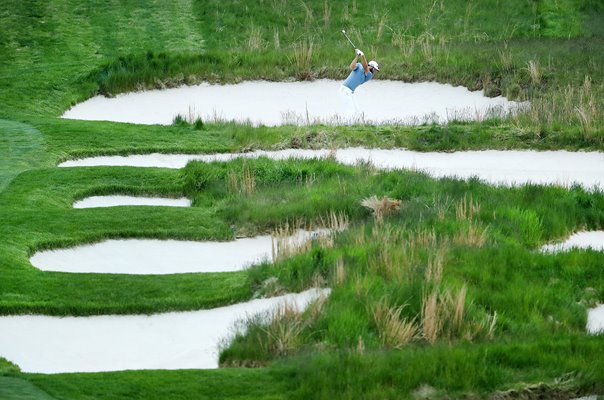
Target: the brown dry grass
pixel 288 241
pixel 381 207
pixel 393 331
pixel 534 70
pixel 393 262
pixel 339 274
pixel 287 324
pixel 444 315
pixel 466 209
pixel 434 268
pixel 283 331
pixel 431 323
pixel 472 234
pixel 244 183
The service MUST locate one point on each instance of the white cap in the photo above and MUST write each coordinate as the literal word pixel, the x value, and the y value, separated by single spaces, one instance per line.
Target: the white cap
pixel 374 64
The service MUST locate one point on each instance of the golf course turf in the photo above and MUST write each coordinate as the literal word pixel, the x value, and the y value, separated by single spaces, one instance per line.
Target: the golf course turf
pixel 443 295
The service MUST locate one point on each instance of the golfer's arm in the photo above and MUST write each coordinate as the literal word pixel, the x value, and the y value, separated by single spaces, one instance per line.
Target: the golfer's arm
pixel 353 64
pixel 364 62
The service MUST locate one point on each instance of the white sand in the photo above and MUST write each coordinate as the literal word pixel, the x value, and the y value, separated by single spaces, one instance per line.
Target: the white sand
pixel 114 201
pixel 595 320
pixel 141 256
pixel 584 240
pixel 278 103
pixel 492 166
pixel 175 340
pixel 581 240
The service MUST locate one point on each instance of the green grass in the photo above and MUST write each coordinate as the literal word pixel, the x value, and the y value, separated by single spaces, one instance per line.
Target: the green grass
pixel 544 367
pixel 237 384
pixel 487 369
pixel 57 53
pixel 482 45
pixel 23 148
pixel 20 389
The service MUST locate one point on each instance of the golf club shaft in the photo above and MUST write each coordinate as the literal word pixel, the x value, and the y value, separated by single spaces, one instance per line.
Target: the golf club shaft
pixel 350 41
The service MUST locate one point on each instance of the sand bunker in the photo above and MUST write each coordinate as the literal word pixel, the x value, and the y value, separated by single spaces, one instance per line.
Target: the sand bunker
pixel 492 166
pixel 176 340
pixel 114 201
pixel 158 257
pixel 595 320
pixel 581 240
pixel 278 103
pixel 593 240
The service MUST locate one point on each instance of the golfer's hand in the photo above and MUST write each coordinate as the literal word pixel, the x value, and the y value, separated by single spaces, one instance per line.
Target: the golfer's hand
pixel 359 53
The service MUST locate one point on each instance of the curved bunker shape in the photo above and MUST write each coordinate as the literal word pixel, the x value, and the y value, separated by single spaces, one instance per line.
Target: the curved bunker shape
pixel 593 240
pixel 177 340
pixel 493 166
pixel 595 320
pixel 278 103
pixel 158 257
pixel 115 201
pixel 580 240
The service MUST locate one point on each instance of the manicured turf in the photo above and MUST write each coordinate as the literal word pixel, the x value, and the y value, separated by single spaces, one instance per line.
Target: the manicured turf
pixel 20 389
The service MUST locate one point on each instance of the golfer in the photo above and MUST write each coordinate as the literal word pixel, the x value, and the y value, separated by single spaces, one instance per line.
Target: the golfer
pixel 360 73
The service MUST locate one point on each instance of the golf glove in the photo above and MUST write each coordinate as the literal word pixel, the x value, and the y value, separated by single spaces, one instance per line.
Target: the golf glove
pixel 360 53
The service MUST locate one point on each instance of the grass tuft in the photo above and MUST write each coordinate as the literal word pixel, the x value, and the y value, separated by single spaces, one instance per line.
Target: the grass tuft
pixel 434 268
pixel 243 182
pixel 302 59
pixel 431 322
pixel 381 207
pixel 339 274
pixel 284 329
pixel 534 70
pixel 394 331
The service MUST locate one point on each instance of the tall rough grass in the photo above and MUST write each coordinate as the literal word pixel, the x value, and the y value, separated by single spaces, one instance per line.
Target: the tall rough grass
pixel 534 70
pixel 444 315
pixel 587 111
pixel 288 239
pixel 302 56
pixel 443 312
pixel 471 234
pixel 431 320
pixel 571 106
pixel 277 333
pixel 471 231
pixel 393 331
pixel 381 207
pixel 284 329
pixel 467 209
pixel 326 14
pixel 392 262
pixel 435 266
pixel 243 182
pixel 339 273
pixel 255 40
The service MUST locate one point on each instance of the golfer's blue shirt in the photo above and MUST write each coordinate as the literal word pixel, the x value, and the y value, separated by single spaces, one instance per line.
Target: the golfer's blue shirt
pixel 357 77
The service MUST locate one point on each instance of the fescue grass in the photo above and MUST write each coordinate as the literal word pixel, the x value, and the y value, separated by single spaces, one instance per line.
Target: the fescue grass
pixel 393 331
pixel 501 291
pixel 487 370
pixel 428 256
pixel 381 207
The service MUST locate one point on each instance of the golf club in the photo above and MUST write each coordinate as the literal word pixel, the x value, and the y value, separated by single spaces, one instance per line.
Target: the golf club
pixel 344 32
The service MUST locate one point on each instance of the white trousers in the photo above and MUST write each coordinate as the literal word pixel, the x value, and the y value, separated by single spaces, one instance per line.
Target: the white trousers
pixel 351 110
